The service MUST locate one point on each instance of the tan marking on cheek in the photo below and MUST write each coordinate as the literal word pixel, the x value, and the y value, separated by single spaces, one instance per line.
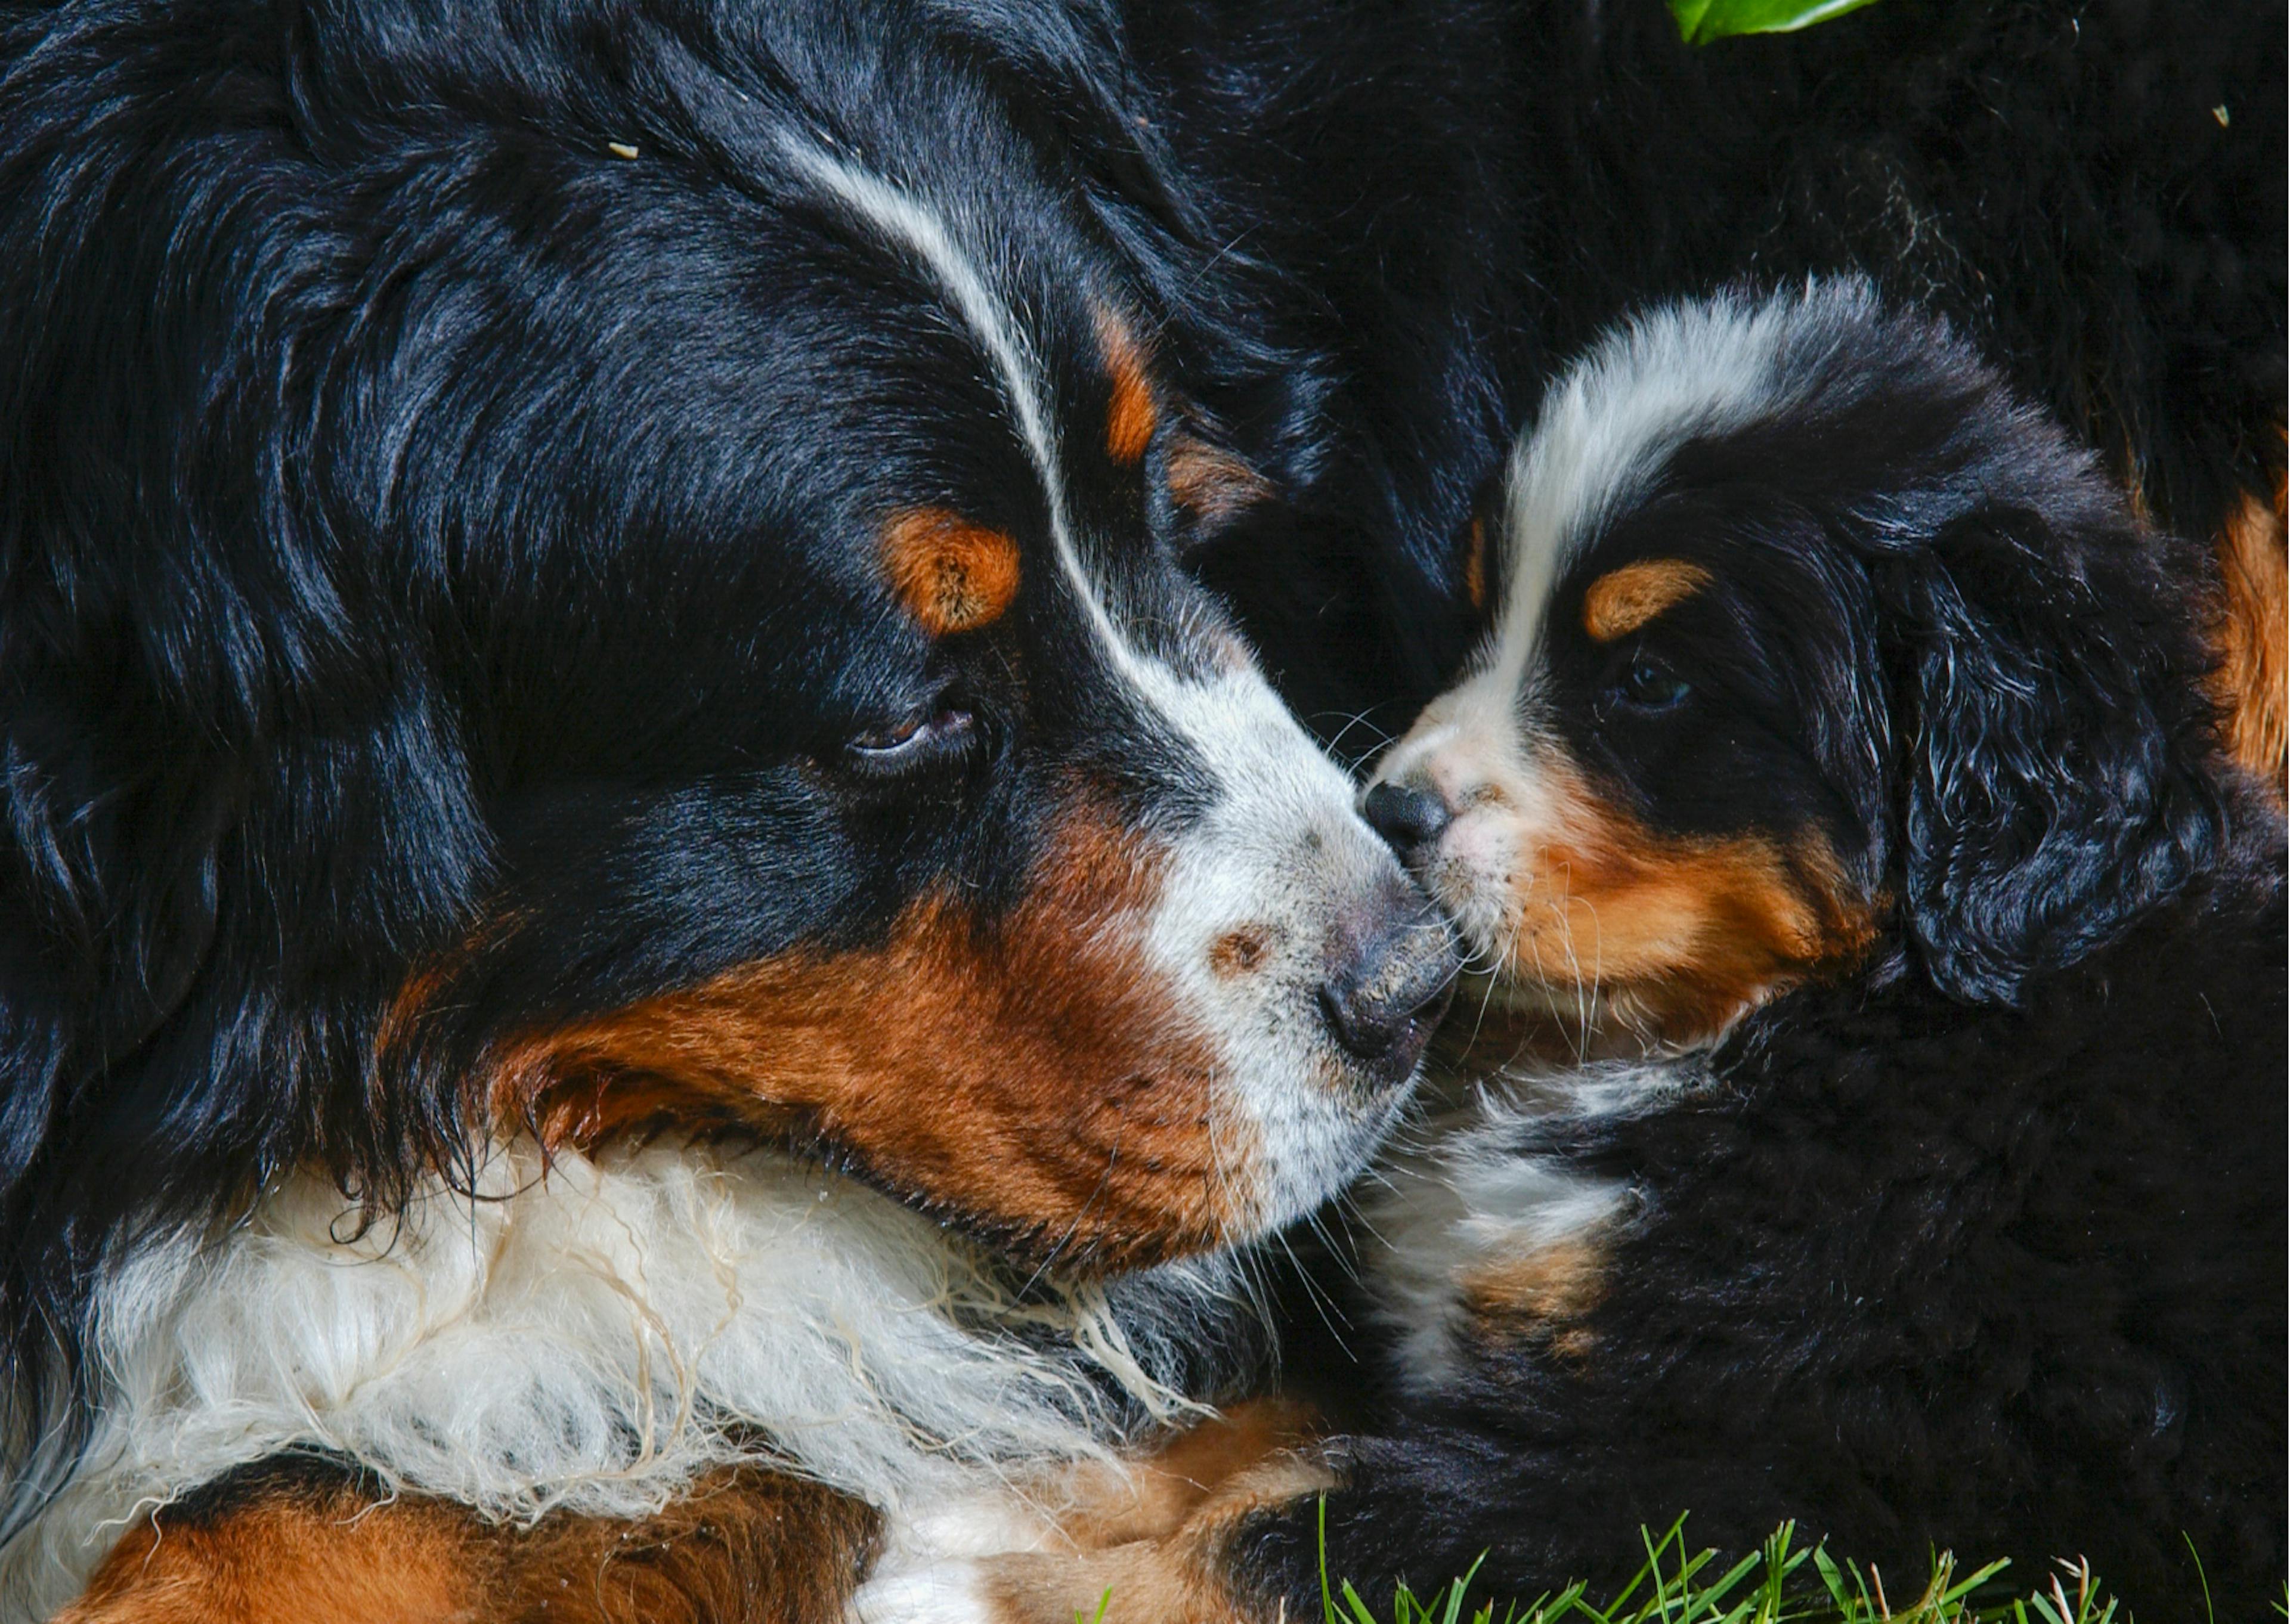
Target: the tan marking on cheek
pixel 2253 638
pixel 432 978
pixel 1474 566
pixel 416 996
pixel 1676 937
pixel 1131 416
pixel 1618 603
pixel 951 575
pixel 1575 1343
pixel 1211 483
pixel 1235 953
pixel 1033 1072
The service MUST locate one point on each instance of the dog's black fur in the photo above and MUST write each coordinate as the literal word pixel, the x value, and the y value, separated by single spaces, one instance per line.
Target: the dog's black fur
pixel 440 453
pixel 1975 1241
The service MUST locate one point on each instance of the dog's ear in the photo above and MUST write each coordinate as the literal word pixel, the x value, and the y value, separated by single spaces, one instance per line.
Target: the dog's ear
pixel 107 902
pixel 2058 744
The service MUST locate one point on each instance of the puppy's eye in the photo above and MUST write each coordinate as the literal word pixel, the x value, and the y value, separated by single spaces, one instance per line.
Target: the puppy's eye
pixel 1650 685
pixel 924 739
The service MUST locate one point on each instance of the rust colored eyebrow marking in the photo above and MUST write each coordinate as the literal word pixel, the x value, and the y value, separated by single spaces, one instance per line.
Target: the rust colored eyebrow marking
pixel 1618 603
pixel 952 575
pixel 1130 421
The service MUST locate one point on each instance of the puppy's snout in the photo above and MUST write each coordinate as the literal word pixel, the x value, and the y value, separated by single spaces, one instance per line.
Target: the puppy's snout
pixel 1393 973
pixel 1408 816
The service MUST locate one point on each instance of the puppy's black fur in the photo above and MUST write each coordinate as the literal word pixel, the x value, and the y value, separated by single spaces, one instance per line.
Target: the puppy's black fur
pixel 1975 1240
pixel 2091 191
pixel 2004 1283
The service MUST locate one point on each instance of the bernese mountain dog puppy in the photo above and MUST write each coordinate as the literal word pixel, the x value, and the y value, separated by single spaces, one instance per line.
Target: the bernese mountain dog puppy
pixel 643 926
pixel 1875 1110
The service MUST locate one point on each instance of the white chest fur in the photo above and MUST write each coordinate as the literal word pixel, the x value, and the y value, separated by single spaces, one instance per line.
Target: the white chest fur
pixel 590 1334
pixel 1475 1188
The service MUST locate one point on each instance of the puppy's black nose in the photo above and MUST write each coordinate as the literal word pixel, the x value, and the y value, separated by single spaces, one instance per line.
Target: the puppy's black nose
pixel 1383 996
pixel 1408 818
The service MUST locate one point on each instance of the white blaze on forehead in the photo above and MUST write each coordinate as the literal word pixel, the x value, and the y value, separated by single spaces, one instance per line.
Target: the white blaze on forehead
pixel 1610 425
pixel 930 233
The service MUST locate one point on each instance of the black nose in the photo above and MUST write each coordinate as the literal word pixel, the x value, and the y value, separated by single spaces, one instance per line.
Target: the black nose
pixel 1386 994
pixel 1407 817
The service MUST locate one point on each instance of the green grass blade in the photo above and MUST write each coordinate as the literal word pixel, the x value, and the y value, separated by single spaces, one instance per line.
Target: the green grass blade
pixel 1462 1588
pixel 1781 1582
pixel 1701 21
pixel 2209 1611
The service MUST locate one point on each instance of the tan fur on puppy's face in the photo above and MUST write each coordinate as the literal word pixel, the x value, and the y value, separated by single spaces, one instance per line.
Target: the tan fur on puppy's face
pixel 1570 903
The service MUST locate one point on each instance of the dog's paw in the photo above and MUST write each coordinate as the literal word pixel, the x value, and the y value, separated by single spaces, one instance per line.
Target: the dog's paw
pixel 1143 1541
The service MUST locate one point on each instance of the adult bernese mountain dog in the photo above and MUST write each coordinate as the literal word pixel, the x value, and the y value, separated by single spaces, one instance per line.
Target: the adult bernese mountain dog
pixel 1877 1109
pixel 642 922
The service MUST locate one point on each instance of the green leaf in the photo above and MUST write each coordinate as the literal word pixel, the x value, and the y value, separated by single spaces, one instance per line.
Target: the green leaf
pixel 1701 21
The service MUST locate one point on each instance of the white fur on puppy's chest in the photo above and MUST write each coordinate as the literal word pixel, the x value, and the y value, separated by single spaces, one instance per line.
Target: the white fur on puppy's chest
pixel 1476 1188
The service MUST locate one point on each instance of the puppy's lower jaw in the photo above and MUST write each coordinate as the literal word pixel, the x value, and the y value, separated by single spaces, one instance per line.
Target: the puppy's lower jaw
pixel 1527 1021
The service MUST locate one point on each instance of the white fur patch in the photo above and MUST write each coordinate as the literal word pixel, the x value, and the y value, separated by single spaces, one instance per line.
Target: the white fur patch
pixel 931 1568
pixel 1470 1191
pixel 591 1338
pixel 1272 857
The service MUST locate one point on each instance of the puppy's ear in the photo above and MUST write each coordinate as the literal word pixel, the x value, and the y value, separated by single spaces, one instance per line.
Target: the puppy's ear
pixel 2059 747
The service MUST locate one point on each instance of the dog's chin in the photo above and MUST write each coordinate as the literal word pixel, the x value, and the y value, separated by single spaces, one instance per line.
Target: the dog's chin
pixel 1323 1160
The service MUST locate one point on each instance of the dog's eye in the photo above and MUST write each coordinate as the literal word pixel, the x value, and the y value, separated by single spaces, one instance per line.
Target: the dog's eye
pixel 924 739
pixel 1649 684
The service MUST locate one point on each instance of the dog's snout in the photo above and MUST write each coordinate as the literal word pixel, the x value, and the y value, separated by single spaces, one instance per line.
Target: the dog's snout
pixel 1408 816
pixel 1390 984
